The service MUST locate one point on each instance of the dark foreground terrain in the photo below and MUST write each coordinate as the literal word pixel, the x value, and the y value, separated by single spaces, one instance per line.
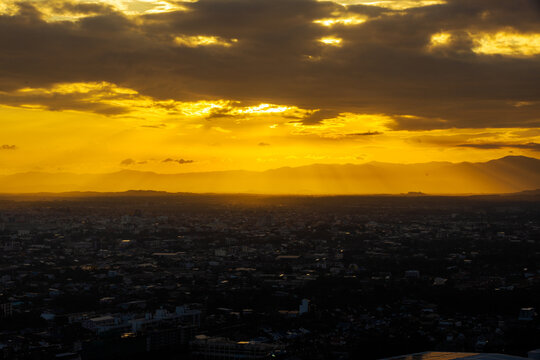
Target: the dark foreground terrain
pixel 145 275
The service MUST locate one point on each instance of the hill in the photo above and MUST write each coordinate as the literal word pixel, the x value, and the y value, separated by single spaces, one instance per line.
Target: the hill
pixel 506 175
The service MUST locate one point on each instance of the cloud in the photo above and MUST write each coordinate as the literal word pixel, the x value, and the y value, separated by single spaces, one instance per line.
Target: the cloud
pixel 159 126
pixel 97 97
pixel 179 161
pixel 367 133
pixel 8 147
pixel 128 162
pixel 112 100
pixel 382 66
pixel 318 116
pixel 488 146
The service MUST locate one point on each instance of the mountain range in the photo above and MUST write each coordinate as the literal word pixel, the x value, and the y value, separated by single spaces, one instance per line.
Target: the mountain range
pixel 505 175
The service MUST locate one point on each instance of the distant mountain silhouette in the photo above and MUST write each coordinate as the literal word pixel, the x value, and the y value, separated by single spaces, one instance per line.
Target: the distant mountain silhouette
pixel 506 175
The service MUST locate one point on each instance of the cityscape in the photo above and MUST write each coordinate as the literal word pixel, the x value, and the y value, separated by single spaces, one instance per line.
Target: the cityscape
pixel 269 179
pixel 156 275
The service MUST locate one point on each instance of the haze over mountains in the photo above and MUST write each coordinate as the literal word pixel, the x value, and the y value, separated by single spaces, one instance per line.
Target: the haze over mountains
pixel 505 175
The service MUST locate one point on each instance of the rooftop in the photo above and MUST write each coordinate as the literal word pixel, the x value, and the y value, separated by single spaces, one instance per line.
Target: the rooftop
pixel 433 355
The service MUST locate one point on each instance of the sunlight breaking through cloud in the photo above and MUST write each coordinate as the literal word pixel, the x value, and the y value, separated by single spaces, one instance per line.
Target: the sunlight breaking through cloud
pixel 351 20
pixel 89 97
pixel 56 10
pixel 507 43
pixel 440 39
pixel 203 40
pixel 393 4
pixel 330 40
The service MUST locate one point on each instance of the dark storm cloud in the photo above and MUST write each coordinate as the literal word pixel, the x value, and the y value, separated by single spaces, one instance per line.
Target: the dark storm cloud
pixel 382 66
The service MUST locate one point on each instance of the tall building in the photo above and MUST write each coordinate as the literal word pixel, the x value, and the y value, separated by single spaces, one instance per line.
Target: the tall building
pixel 6 310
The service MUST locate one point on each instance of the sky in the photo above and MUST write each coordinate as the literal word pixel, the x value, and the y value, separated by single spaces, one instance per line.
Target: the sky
pixel 211 85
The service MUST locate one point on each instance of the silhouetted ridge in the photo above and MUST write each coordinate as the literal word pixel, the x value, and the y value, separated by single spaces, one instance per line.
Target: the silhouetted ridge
pixel 510 174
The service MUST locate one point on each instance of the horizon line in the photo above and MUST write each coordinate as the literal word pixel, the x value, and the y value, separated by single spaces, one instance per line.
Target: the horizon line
pixel 134 192
pixel 269 169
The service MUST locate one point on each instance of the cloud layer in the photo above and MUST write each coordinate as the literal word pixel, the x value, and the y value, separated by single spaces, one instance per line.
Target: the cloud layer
pixel 269 51
pixel 8 147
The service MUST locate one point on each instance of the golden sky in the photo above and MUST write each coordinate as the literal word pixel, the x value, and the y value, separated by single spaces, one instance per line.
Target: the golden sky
pixel 188 86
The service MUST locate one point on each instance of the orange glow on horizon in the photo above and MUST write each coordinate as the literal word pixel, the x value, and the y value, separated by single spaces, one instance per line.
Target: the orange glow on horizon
pixel 150 89
pixel 219 135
